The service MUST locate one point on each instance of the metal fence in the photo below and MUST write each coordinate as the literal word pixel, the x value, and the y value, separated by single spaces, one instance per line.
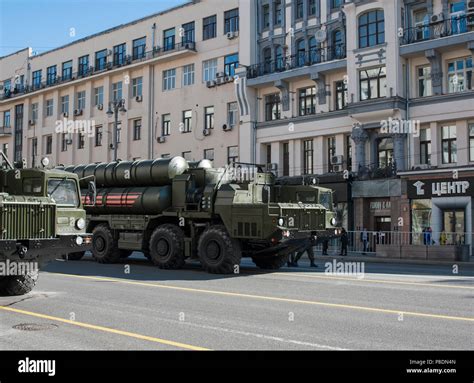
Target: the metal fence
pixel 367 242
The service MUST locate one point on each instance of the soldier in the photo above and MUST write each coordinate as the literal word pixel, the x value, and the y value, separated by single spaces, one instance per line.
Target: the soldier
pixel 307 247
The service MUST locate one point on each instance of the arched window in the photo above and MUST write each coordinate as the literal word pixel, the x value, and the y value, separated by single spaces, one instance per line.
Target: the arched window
pixel 300 53
pixel 267 60
pixel 371 29
pixel 279 59
pixel 337 45
pixel 314 52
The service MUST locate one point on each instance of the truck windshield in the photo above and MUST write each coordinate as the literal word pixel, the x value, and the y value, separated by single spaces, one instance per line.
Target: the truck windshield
pixel 32 186
pixel 308 197
pixel 63 191
pixel 325 199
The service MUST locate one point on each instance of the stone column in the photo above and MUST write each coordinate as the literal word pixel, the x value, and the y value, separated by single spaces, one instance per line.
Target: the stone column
pixel 285 94
pixel 434 58
pixel 360 138
pixel 399 156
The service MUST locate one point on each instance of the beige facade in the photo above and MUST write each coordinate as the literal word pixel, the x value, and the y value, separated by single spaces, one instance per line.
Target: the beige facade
pixel 159 76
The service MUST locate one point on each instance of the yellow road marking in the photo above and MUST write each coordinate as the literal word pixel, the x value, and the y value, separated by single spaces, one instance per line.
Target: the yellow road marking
pixel 397 282
pixel 106 329
pixel 274 299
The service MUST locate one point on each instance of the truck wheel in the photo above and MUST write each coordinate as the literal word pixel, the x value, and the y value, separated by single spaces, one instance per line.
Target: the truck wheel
pixel 218 252
pixel 166 247
pixel 74 256
pixel 18 284
pixel 271 263
pixel 104 246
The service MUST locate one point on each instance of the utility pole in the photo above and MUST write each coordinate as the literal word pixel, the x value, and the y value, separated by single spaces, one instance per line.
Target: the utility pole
pixel 115 107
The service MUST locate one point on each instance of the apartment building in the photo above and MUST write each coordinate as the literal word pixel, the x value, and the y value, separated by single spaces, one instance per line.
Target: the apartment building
pixel 158 86
pixel 341 89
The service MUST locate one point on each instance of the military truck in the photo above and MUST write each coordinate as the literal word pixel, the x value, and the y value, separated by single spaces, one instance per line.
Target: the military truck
pixel 41 219
pixel 172 210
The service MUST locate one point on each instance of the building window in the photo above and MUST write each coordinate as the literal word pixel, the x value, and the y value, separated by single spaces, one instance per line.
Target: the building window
pixel 137 87
pixel 64 142
pixel 371 29
pixel 425 146
pixel 137 130
pixel 337 50
pixel 169 39
pixel 460 75
pixel 81 142
pixel 188 33
pixel 232 154
pixel 278 9
pixel 188 75
pixel 99 96
pixel 37 79
pixel 139 48
pixel 312 7
pixel 307 101
pixel 209 117
pixel 286 159
pixel 67 70
pixel 448 144
pixel 209 154
pixel 187 121
pixel 34 111
pixel 101 59
pixel 299 9
pixel 308 157
pixel 81 100
pixel 424 81
pixel 471 142
pixel 231 62
pixel 209 30
pixel 169 79
pixel 385 152
pixel 349 152
pixel 65 104
pixel 272 107
pixel 209 70
pixel 341 94
pixel 49 144
pixel 266 16
pixel 51 75
pixel 119 54
pixel 232 114
pixel 6 119
pixel 165 125
pixel 188 156
pixel 231 21
pixel 117 91
pixel 301 52
pixel 49 107
pixel 98 135
pixel 372 83
pixel 331 152
pixel 83 65
pixel 336 3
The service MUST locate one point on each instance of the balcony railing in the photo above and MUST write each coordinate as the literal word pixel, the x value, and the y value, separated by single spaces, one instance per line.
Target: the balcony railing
pixel 455 25
pixel 373 172
pixel 5 130
pixel 145 56
pixel 300 60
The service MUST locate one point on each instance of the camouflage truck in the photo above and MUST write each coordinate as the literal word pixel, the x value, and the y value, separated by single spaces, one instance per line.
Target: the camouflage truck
pixel 41 219
pixel 172 210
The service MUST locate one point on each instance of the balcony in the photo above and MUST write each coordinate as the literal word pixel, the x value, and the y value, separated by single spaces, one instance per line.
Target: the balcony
pixel 5 131
pixel 298 62
pixel 455 30
pixel 171 52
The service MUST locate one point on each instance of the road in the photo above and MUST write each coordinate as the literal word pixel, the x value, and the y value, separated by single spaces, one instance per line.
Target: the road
pixel 135 306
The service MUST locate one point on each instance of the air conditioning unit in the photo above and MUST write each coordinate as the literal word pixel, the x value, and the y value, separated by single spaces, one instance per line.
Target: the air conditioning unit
pixel 220 80
pixel 226 128
pixel 337 160
pixel 206 132
pixel 109 52
pixel 78 112
pixel 337 168
pixel 162 139
pixel 220 74
pixel 139 98
pixel 66 114
pixel 211 84
pixel 470 6
pixel 231 35
pixel 437 18
pixel 100 107
pixel 470 18
pixel 229 79
pixel 32 122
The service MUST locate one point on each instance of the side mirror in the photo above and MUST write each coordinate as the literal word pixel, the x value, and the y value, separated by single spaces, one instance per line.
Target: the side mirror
pixel 91 193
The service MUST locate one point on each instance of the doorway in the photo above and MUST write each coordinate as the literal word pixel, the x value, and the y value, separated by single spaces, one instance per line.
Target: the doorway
pixel 454 224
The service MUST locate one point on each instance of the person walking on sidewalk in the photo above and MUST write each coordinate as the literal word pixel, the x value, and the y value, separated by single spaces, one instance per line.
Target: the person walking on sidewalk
pixel 364 237
pixel 307 248
pixel 344 242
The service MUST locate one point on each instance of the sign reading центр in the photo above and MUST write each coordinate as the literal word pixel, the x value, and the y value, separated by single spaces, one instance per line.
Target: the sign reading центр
pixel 419 189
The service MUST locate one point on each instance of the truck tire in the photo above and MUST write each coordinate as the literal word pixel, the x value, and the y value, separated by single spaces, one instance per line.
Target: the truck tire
pixel 104 246
pixel 271 263
pixel 167 247
pixel 18 284
pixel 74 256
pixel 218 252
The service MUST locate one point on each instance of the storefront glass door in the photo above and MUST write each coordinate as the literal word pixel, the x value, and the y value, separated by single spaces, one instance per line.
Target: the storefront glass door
pixel 454 226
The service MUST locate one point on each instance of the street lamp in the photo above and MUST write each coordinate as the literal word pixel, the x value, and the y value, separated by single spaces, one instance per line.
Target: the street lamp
pixel 115 107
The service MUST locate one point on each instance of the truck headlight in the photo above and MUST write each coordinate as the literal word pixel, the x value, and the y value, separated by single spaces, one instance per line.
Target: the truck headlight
pixel 281 221
pixel 79 241
pixel 81 223
pixel 333 221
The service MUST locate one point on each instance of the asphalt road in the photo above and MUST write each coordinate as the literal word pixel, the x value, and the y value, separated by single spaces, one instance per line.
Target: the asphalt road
pixel 135 306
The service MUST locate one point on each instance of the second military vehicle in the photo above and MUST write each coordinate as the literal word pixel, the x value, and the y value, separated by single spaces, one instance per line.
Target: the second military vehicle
pixel 41 219
pixel 172 210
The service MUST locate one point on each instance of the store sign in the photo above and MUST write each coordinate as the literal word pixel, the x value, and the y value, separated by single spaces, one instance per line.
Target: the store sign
pixel 440 188
pixel 380 205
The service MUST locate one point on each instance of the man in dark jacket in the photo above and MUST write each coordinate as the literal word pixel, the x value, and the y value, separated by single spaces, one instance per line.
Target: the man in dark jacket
pixel 307 247
pixel 344 242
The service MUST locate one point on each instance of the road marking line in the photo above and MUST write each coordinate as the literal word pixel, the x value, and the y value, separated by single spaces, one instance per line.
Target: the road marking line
pixel 106 329
pixel 373 280
pixel 269 298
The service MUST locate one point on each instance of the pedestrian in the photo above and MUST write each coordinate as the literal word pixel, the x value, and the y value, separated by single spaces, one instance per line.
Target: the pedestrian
pixel 443 238
pixel 344 242
pixel 308 248
pixel 325 246
pixel 364 237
